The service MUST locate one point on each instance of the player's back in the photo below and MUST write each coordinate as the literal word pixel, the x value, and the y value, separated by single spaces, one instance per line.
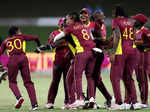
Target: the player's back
pixel 15 45
pixel 126 36
pixel 81 36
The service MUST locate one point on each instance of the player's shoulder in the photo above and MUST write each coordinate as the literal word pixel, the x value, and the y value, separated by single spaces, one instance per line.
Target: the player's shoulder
pixel 115 19
pixel 76 26
pixel 120 19
pixel 145 30
pixel 93 22
pixel 12 37
pixel 56 32
pixel 18 36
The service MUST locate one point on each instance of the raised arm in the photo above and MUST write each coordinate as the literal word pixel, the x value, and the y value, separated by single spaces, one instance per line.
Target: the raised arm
pixel 59 36
pixel 32 37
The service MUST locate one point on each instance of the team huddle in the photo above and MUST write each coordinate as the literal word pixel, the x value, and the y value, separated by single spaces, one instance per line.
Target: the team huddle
pixel 80 43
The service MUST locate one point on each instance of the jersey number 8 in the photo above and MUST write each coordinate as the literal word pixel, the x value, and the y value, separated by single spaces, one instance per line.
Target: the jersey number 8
pixel 85 34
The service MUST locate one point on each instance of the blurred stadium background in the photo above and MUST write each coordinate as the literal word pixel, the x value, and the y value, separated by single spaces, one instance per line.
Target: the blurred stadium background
pixel 39 17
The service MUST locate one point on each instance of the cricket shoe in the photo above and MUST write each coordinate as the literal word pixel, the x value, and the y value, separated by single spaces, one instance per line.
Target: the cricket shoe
pixel 34 107
pixel 3 75
pixel 49 106
pixel 136 106
pixel 117 107
pixel 19 103
pixel 108 103
pixel 127 106
pixel 86 104
pixel 92 102
pixel 65 107
pixel 96 106
pixel 144 106
pixel 77 104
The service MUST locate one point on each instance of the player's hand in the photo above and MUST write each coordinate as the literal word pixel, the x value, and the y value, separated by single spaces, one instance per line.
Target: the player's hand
pixel 3 73
pixel 37 50
pixel 3 76
pixel 140 46
pixel 112 58
pixel 49 47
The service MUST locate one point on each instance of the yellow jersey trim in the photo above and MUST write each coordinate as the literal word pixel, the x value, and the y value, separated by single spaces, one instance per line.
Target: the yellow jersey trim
pixel 119 48
pixel 78 48
pixel 88 24
pixel 71 48
pixel 24 46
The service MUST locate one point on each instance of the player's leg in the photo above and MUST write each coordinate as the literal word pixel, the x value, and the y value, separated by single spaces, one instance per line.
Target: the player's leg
pixel 97 68
pixel 57 72
pixel 29 85
pixel 146 72
pixel 127 99
pixel 12 77
pixel 70 84
pixel 115 77
pixel 148 65
pixel 99 83
pixel 128 80
pixel 90 79
pixel 141 76
pixel 80 61
pixel 79 65
pixel 3 72
pixel 65 70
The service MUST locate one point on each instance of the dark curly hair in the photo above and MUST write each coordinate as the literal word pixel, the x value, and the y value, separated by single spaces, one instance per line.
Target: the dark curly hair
pixel 119 11
pixel 12 30
pixel 74 16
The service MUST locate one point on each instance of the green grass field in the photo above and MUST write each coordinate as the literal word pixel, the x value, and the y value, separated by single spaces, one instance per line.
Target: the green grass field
pixel 42 82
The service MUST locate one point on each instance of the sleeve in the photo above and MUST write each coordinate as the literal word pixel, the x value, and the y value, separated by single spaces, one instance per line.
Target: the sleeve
pixel 51 38
pixel 114 24
pixel 59 36
pixel 29 37
pixel 147 33
pixel 32 37
pixel 146 38
pixel 3 47
pixel 68 29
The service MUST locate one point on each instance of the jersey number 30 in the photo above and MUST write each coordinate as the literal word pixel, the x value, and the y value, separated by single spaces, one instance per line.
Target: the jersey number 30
pixel 14 45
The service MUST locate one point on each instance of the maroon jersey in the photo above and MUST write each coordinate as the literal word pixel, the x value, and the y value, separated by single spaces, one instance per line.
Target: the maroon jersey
pixel 15 44
pixel 81 36
pixel 103 31
pixel 61 49
pixel 143 35
pixel 95 28
pixel 126 37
